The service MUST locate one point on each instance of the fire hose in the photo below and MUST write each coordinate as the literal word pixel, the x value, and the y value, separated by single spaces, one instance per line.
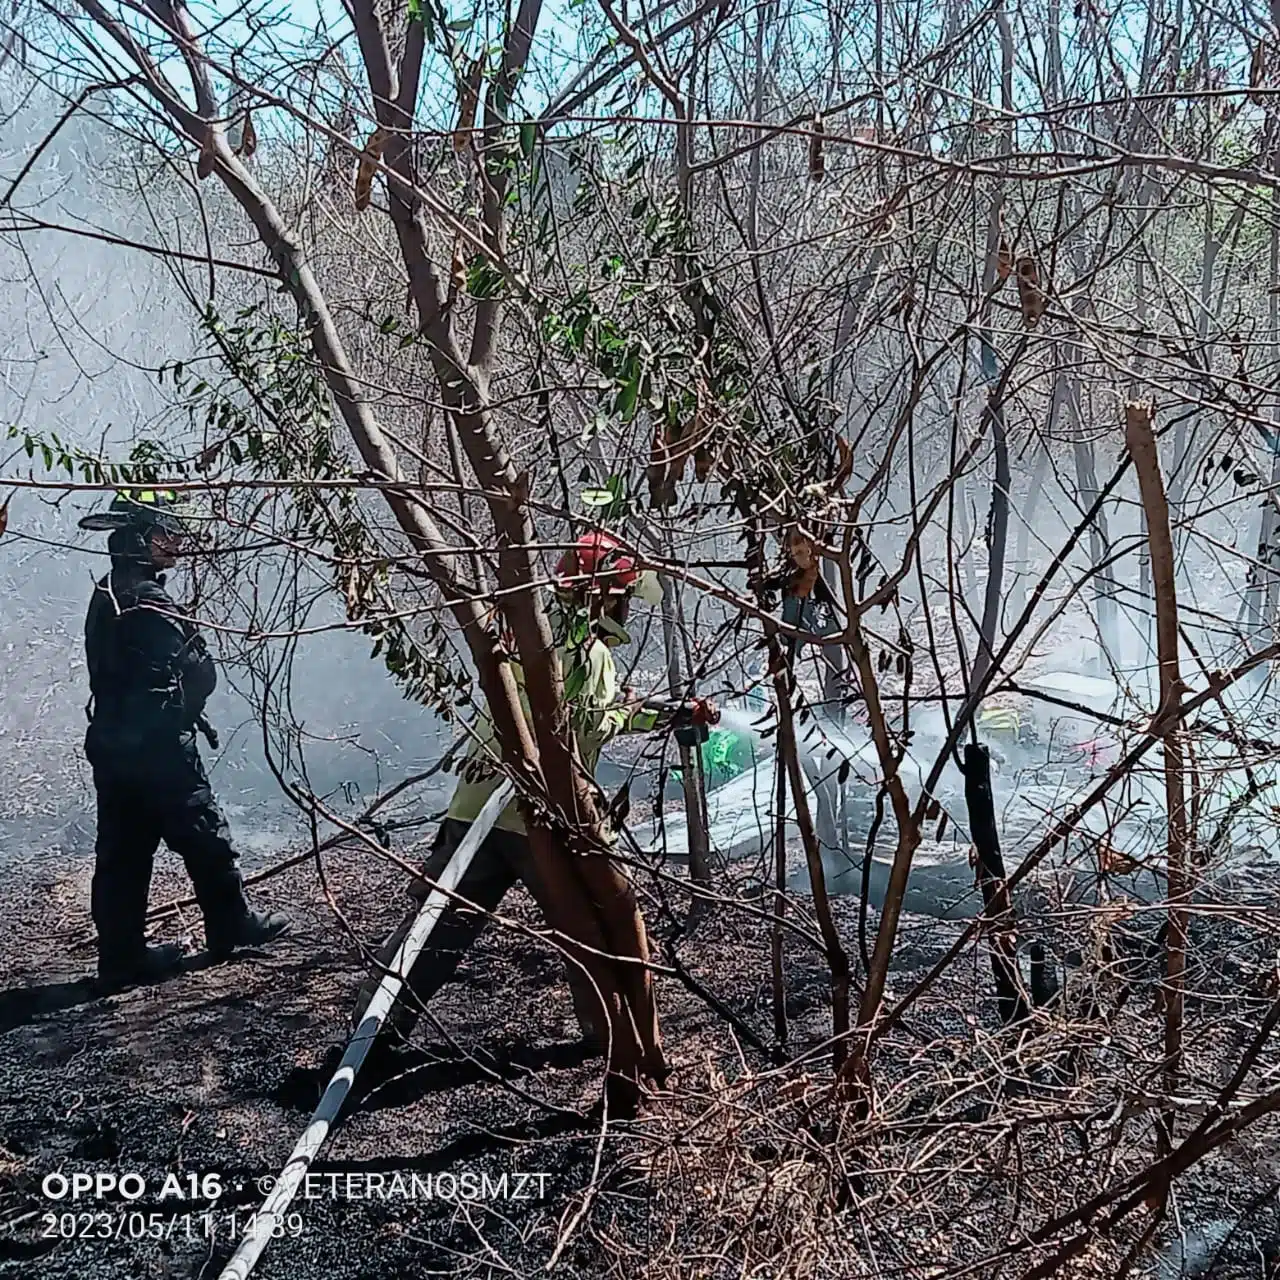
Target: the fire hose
pixel 326 1113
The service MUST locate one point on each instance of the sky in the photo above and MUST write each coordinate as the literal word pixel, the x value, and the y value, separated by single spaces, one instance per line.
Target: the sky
pixel 292 24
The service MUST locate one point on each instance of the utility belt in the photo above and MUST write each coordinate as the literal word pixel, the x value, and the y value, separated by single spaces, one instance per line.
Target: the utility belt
pixel 201 722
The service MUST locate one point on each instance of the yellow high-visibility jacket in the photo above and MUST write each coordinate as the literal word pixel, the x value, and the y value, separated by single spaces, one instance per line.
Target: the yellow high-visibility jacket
pixel 596 719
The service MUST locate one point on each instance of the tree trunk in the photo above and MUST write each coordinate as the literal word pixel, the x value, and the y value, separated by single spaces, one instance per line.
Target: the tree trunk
pixel 1141 439
pixel 1104 583
pixel 991 879
pixel 998 515
pixel 695 809
pixel 998 537
pixel 1022 548
pixel 856 1075
pixel 595 903
pixel 788 749
pixel 777 969
pixel 1263 592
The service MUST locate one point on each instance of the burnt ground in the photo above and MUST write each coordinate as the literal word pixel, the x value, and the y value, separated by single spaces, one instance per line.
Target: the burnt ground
pixel 734 1172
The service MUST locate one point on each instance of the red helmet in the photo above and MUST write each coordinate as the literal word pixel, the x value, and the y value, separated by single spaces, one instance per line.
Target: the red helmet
pixel 596 562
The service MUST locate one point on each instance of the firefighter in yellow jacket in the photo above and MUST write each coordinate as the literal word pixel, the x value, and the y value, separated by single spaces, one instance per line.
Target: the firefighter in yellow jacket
pixel 596 581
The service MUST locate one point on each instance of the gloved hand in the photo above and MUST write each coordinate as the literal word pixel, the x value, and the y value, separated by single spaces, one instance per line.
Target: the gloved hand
pixel 705 711
pixel 692 720
pixel 210 733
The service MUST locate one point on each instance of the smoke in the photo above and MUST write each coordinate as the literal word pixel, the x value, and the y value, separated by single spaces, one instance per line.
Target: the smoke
pixel 85 325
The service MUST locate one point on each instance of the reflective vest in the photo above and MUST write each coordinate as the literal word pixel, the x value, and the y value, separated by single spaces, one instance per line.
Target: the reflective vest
pixel 596 719
pixel 1000 720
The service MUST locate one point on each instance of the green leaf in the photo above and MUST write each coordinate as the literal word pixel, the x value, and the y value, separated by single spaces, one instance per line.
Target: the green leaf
pixel 415 10
pixel 528 136
pixel 629 394
pixel 459 24
pixel 612 497
pixel 575 681
pixel 484 280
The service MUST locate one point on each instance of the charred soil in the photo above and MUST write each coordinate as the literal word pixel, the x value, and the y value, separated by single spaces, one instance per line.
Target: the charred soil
pixel 745 1166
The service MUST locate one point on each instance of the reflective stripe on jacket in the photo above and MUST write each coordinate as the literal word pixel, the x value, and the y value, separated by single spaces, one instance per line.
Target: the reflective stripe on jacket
pixel 596 719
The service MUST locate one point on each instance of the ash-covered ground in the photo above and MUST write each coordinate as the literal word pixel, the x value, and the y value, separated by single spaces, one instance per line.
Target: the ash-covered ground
pixel 743 1167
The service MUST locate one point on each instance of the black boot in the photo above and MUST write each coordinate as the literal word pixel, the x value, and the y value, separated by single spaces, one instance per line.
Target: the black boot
pixel 138 965
pixel 252 929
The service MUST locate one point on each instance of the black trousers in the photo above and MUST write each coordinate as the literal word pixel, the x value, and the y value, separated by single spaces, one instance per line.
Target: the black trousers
pixel 138 809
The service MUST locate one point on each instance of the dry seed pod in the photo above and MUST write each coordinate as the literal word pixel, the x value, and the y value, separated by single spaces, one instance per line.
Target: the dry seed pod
pixel 704 462
pixel 817 160
pixel 662 489
pixel 249 141
pixel 845 467
pixel 458 268
pixel 204 166
pixel 1004 261
pixel 351 591
pixel 468 101
pixel 4 516
pixel 880 219
pixel 209 455
pixel 1258 71
pixel 1030 295
pixel 369 158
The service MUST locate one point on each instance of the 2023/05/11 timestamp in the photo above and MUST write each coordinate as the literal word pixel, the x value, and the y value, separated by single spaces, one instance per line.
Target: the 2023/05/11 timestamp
pixel 137 1224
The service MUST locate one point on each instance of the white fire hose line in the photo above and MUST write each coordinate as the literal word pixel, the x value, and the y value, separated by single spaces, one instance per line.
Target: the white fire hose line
pixel 295 1169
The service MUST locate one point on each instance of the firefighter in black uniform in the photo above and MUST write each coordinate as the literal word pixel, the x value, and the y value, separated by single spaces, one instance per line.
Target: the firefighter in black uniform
pixel 150 675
